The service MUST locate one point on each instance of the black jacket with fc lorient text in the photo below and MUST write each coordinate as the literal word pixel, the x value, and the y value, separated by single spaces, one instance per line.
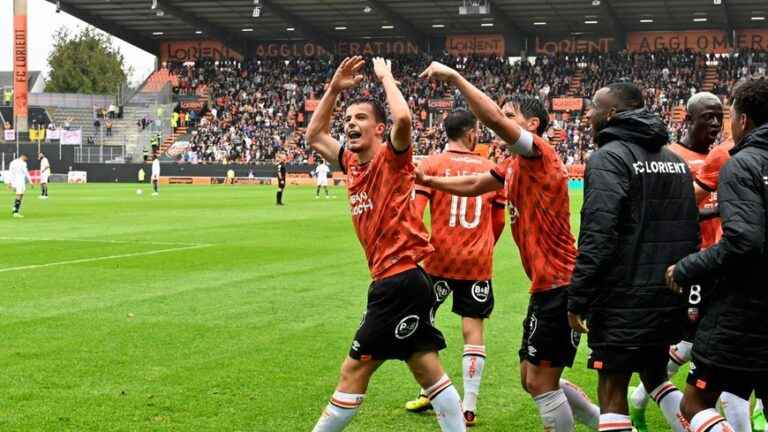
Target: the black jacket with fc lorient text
pixel 639 217
pixel 733 332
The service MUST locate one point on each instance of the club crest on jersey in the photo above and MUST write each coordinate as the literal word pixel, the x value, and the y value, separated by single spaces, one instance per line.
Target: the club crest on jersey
pixel 407 327
pixel 355 345
pixel 441 290
pixel 481 290
pixel 514 213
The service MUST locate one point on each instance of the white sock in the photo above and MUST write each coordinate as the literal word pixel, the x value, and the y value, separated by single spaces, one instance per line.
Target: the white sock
pixel 615 423
pixel 473 363
pixel 668 397
pixel 554 411
pixel 679 355
pixel 447 405
pixel 584 411
pixel 736 410
pixel 759 405
pixel 639 398
pixel 339 412
pixel 709 421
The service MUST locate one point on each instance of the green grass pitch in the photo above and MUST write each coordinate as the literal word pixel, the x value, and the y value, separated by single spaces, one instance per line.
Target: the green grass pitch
pixel 208 308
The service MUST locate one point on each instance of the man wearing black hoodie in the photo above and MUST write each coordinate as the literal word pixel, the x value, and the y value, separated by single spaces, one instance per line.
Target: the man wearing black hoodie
pixel 639 211
pixel 729 352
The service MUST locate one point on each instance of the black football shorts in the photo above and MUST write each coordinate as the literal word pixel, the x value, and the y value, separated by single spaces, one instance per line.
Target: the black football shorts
pixel 629 359
pixel 471 299
pixel 717 379
pixel 548 339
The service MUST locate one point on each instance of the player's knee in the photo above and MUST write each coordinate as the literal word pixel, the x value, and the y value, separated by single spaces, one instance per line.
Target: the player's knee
pixel 535 385
pixel 354 371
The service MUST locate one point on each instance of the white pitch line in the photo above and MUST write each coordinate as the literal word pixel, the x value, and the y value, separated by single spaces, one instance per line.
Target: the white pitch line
pixel 101 241
pixel 86 260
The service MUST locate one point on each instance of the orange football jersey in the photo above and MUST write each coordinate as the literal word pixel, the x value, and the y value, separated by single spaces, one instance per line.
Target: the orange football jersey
pixel 538 203
pixel 393 237
pixel 695 161
pixel 462 227
pixel 708 177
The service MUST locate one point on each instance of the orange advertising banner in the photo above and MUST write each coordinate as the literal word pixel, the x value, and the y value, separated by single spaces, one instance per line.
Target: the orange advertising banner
pixel 193 50
pixel 567 104
pixel 755 39
pixel 20 85
pixel 574 45
pixel 484 45
pixel 704 41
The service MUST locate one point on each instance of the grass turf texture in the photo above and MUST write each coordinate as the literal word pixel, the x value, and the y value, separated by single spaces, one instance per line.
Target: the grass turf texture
pixel 244 333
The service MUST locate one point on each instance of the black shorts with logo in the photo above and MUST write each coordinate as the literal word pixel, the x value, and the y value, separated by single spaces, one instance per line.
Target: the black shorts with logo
pixel 399 319
pixel 629 359
pixel 548 339
pixel 718 380
pixel 471 299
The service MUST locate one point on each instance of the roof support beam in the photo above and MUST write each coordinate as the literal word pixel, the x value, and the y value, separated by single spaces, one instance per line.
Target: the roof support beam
pixel 613 22
pixel 729 30
pixel 505 21
pixel 302 26
pixel 401 24
pixel 178 10
pixel 110 27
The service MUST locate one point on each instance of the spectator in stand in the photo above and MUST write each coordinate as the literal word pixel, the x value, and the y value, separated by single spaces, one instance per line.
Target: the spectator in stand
pixel 109 127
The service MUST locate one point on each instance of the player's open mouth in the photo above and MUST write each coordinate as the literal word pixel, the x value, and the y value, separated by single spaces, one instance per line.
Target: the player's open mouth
pixel 354 134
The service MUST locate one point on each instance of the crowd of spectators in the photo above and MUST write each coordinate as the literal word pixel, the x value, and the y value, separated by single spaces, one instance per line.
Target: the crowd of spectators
pixel 256 108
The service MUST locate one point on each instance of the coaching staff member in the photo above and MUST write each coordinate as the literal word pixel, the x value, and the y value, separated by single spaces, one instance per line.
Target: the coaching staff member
pixel 730 352
pixel 639 211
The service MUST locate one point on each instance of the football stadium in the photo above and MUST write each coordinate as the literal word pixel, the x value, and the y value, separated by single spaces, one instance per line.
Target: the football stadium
pixel 373 215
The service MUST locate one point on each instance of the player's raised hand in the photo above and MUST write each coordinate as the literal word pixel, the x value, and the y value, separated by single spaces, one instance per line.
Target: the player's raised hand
pixel 439 72
pixel 348 74
pixel 382 68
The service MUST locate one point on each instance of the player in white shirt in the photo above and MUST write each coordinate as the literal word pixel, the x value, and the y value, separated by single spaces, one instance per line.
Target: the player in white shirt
pixel 17 180
pixel 321 175
pixel 155 175
pixel 45 173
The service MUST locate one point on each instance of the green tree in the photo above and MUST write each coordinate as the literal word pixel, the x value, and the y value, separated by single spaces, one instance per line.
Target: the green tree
pixel 86 62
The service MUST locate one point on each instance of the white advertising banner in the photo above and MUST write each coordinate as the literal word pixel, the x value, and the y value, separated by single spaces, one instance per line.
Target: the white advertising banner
pixel 77 177
pixel 72 137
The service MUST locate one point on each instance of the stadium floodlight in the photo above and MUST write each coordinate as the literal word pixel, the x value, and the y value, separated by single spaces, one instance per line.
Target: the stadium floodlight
pixel 58 6
pixel 590 22
pixel 595 2
pixel 157 33
pixel 340 28
pixel 540 23
pixel 474 7
pixel 247 29
pixel 154 5
pixel 699 20
pixel 367 9
pixel 758 18
pixel 486 25
pixel 646 20
pixel 257 12
pixel 198 32
pixel 387 27
pixel 290 29
pixel 438 25
pixel 718 2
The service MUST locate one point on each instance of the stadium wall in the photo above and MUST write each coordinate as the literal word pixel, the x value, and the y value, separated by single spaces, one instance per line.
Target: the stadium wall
pixel 128 173
pixel 59 163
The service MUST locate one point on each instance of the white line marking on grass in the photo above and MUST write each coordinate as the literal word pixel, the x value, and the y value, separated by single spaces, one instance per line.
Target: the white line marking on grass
pixel 86 260
pixel 101 241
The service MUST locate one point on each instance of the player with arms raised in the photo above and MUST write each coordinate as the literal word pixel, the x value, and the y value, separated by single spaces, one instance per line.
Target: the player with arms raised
pixel 398 320
pixel 464 232
pixel 536 184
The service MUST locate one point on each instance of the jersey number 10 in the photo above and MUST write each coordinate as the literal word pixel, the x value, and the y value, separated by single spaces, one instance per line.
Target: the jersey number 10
pixel 459 211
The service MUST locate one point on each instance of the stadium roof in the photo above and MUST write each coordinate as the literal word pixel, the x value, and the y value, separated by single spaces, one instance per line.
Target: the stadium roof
pixel 324 21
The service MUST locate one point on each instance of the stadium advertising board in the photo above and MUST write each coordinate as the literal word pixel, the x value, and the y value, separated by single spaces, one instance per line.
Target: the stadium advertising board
pixel 441 104
pixel 77 177
pixel 71 137
pixel 193 50
pixel 194 104
pixel 341 48
pixel 567 104
pixel 484 45
pixel 707 41
pixel 756 39
pixel 574 45
pixel 20 60
pixel 9 135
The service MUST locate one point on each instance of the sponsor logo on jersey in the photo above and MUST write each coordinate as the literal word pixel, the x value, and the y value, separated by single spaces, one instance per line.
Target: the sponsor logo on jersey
pixel 575 338
pixel 481 290
pixel 360 203
pixel 355 345
pixel 655 167
pixel 407 327
pixel 441 290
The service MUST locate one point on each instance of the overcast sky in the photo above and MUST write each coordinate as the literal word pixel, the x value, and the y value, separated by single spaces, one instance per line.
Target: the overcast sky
pixel 42 22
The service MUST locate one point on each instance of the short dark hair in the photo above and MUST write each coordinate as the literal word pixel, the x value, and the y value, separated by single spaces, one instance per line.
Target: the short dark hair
pixel 379 113
pixel 530 107
pixel 751 98
pixel 458 123
pixel 629 96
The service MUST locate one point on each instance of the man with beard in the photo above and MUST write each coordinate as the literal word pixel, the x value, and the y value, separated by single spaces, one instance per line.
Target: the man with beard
pixel 639 212
pixel 398 323
pixel 729 348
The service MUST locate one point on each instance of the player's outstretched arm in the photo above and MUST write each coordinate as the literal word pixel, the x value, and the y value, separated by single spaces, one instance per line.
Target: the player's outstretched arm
pixel 485 109
pixel 469 185
pixel 318 133
pixel 401 113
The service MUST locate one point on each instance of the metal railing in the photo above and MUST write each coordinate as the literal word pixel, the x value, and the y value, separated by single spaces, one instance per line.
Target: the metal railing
pixel 100 154
pixel 70 100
